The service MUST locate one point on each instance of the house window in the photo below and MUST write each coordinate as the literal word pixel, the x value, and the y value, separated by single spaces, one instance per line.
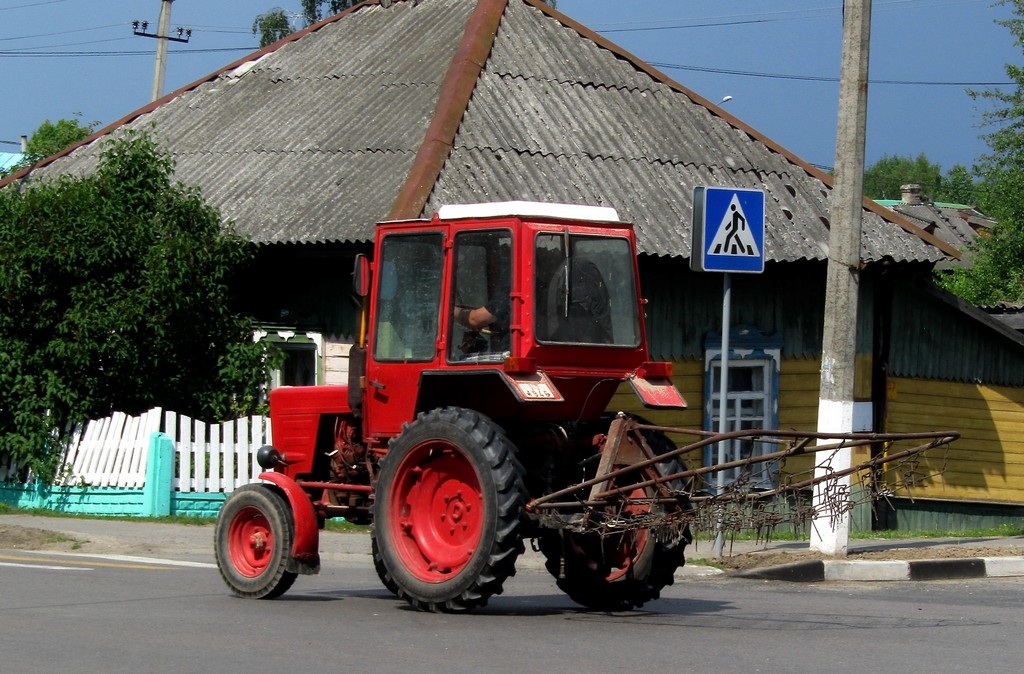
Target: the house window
pixel 302 365
pixel 751 402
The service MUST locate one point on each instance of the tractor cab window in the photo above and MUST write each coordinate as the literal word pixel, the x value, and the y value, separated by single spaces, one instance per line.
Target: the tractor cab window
pixel 481 296
pixel 408 297
pixel 585 290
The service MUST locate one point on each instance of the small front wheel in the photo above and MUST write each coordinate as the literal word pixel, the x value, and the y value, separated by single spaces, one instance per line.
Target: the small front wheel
pixel 254 534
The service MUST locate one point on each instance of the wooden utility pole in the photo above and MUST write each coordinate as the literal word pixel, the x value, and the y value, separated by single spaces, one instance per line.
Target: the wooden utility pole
pixel 830 532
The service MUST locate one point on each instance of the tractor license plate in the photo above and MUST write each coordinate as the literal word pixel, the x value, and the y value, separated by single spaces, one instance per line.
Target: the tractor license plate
pixel 536 387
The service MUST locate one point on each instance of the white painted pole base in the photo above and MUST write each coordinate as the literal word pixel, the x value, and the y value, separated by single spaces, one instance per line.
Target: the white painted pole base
pixel 830 530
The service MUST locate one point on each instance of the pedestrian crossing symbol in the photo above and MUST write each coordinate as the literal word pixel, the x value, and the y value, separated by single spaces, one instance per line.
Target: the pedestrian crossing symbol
pixel 734 237
pixel 728 230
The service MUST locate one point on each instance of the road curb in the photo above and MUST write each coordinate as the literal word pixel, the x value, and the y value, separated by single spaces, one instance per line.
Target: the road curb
pixel 923 569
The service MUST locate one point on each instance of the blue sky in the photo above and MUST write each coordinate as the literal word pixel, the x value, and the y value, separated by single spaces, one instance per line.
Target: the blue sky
pixel 778 60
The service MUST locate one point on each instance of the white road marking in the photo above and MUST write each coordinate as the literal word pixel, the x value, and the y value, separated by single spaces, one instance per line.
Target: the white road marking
pixel 46 568
pixel 156 561
pixel 117 561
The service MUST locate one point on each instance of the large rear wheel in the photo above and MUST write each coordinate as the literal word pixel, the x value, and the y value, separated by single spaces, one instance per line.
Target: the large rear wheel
pixel 447 511
pixel 621 569
pixel 253 536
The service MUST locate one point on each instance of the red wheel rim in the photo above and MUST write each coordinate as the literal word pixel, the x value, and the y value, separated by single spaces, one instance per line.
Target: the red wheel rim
pixel 613 556
pixel 436 511
pixel 250 542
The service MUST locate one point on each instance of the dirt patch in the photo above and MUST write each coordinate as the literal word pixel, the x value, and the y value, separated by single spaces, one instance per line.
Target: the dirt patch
pixel 766 558
pixel 29 538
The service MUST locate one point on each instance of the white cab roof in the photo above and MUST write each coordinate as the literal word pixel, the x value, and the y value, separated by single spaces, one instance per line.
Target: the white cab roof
pixel 528 209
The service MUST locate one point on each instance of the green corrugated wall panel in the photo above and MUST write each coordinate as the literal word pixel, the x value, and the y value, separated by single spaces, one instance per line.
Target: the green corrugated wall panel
pixel 684 306
pixel 934 340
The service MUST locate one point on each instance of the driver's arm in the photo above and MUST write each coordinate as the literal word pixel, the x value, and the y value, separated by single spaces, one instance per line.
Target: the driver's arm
pixel 474 319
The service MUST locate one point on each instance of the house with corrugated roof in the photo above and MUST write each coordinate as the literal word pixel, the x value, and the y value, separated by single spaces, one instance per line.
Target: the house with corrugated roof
pixel 395 108
pixel 956 224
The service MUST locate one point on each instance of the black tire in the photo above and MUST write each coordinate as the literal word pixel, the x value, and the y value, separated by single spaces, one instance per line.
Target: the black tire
pixel 576 561
pixel 254 535
pixel 378 565
pixel 616 571
pixel 449 498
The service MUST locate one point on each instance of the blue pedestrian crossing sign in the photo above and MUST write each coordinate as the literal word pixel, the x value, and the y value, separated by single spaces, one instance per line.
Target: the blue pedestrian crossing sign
pixel 728 230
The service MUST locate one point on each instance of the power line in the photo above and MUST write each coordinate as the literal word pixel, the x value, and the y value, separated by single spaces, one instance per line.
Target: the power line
pixel 32 4
pixel 821 78
pixel 67 54
pixel 738 22
pixel 61 32
pixel 834 11
pixel 30 50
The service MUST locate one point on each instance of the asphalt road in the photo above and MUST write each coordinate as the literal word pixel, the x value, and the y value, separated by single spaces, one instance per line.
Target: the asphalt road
pixel 69 612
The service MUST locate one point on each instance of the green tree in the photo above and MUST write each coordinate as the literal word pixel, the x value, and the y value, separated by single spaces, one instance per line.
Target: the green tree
pixel 311 9
pixel 883 179
pixel 957 186
pixel 272 26
pixel 114 295
pixel 52 137
pixel 997 271
pixel 269 26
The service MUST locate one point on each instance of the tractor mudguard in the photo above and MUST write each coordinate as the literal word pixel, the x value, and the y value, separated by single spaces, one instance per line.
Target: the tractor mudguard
pixel 305 553
pixel 658 393
pixel 652 383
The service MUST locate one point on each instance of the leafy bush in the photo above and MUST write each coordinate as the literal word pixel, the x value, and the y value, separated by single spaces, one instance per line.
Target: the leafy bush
pixel 114 295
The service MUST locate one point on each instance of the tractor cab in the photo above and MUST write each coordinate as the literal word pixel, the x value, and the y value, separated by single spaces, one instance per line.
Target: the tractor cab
pixel 516 310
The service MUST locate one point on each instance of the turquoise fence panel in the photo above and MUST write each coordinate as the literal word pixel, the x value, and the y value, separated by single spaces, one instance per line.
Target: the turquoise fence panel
pixel 159 476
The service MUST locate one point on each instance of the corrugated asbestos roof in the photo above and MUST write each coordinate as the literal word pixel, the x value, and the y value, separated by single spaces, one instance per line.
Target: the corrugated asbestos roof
pixel 314 139
pixel 955 225
pixel 310 141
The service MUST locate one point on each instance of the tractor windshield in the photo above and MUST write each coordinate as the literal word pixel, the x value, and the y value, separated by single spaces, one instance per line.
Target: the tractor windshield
pixel 585 290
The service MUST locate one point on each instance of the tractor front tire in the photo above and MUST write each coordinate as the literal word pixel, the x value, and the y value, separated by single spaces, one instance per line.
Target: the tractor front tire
pixel 449 498
pixel 253 537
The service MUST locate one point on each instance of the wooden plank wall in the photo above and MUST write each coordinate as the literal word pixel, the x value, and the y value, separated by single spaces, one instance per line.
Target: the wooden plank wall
pixel 799 391
pixel 335 361
pixel 987 462
pixel 688 376
pixel 798 400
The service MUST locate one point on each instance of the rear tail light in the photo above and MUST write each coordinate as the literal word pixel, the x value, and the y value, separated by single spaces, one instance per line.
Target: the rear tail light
pixel 520 365
pixel 654 369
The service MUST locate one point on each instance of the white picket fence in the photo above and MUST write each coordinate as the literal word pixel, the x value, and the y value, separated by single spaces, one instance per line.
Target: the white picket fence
pixel 216 457
pixel 112 452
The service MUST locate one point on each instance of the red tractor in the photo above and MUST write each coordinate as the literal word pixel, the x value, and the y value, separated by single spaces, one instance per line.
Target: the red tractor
pixel 492 340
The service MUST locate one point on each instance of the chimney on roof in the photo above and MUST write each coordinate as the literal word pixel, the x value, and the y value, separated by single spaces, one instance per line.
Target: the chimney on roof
pixel 910 193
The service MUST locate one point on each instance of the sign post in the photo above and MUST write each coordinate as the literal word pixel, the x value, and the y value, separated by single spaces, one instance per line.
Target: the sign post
pixel 728 237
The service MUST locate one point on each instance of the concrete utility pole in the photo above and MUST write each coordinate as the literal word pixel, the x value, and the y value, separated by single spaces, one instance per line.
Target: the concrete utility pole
pixel 830 534
pixel 162 37
pixel 161 48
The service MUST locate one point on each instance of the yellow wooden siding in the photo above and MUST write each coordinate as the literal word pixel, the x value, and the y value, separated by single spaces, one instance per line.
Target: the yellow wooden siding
pixel 987 462
pixel 799 390
pixel 688 376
